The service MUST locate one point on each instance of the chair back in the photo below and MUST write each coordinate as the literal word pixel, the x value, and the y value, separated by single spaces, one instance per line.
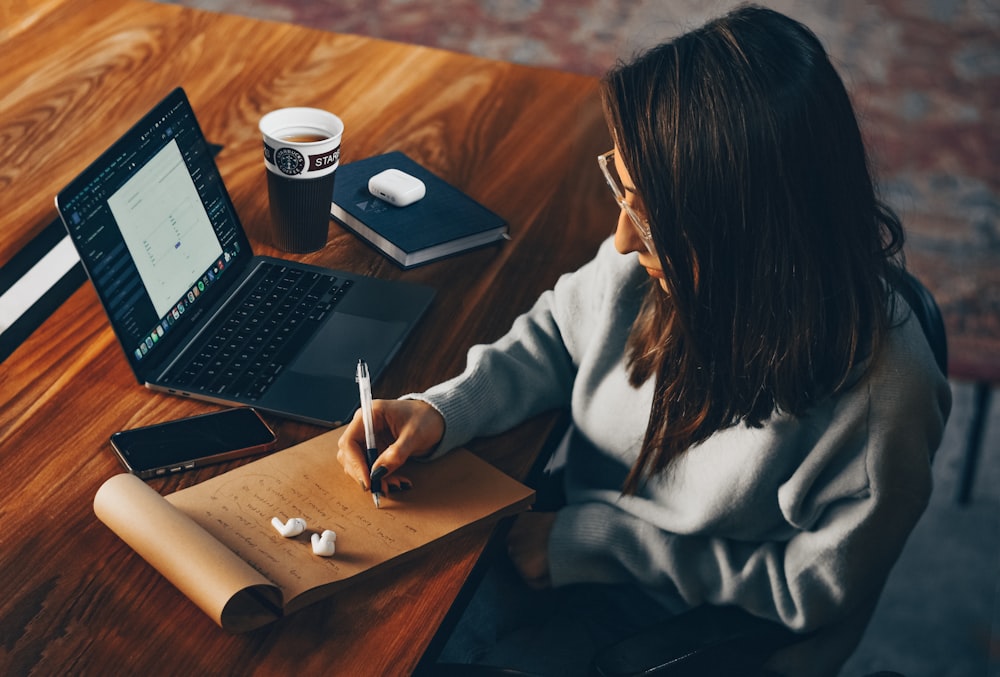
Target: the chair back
pixel 922 302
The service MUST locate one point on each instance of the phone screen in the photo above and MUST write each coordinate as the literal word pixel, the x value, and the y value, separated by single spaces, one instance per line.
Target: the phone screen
pixel 192 442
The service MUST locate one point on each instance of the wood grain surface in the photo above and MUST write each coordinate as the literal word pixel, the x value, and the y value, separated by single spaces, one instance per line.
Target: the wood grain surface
pixel 523 141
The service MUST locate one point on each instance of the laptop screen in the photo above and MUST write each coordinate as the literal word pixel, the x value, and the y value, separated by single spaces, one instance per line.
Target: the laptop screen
pixel 156 230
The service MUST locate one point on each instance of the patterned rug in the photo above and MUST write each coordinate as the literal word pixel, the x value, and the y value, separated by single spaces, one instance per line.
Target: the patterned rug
pixel 925 76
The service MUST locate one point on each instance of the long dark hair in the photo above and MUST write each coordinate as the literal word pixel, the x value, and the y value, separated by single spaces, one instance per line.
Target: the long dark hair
pixel 746 154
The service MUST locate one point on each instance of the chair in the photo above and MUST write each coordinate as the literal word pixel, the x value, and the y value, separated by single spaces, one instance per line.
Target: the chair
pixel 922 302
pixel 715 640
pixel 920 299
pixel 982 395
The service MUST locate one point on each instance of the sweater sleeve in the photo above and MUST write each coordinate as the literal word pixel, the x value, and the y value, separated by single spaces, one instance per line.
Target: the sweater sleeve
pixel 848 508
pixel 806 582
pixel 531 369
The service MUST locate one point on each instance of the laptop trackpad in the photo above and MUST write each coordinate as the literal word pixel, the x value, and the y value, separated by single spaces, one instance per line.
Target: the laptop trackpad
pixel 342 341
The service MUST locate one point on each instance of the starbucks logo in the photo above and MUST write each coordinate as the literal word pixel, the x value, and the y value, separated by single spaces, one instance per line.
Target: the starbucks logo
pixel 289 161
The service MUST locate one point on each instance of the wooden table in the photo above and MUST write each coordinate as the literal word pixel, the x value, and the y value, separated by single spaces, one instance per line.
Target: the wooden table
pixel 73 598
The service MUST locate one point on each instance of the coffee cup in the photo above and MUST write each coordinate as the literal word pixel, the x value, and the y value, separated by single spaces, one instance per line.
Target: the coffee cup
pixel 301 155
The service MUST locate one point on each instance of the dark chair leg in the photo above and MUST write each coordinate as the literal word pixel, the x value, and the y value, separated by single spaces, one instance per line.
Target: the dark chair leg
pixel 980 407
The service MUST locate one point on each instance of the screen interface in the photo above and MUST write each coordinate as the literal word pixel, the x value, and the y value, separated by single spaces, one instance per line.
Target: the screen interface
pixel 155 227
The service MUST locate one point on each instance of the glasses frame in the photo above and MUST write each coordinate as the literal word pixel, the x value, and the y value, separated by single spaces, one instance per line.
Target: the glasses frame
pixel 641 224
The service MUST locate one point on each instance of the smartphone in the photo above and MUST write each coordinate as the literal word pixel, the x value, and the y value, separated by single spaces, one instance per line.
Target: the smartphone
pixel 187 443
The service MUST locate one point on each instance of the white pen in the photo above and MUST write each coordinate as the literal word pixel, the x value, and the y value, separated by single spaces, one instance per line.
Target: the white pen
pixel 371 450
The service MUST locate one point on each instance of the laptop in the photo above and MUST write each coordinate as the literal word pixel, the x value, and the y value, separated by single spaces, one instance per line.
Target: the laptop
pixel 197 314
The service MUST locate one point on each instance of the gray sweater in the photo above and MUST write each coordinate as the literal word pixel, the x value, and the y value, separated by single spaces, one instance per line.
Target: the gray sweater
pixel 799 521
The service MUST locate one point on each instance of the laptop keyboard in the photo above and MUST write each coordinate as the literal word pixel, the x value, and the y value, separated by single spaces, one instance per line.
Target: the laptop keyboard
pixel 277 313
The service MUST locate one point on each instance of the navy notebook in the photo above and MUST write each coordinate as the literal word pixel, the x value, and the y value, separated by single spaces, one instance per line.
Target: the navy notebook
pixel 445 222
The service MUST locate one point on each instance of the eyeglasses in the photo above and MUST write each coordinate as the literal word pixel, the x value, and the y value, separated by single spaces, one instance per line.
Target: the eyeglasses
pixel 607 163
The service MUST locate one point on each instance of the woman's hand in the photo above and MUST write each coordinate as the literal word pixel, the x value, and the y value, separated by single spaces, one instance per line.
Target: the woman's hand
pixel 528 547
pixel 403 428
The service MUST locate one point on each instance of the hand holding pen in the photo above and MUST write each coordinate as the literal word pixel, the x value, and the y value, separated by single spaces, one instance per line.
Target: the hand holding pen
pixel 412 427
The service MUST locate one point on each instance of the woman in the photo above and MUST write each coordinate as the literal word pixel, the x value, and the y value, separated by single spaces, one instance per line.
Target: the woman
pixel 754 411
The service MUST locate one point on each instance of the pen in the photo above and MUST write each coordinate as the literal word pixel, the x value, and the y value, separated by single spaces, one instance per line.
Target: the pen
pixel 371 450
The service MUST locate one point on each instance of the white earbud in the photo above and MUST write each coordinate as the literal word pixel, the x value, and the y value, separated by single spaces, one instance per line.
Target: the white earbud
pixel 325 545
pixel 290 529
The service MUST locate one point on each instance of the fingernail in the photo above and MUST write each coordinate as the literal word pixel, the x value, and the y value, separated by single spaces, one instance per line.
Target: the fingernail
pixel 378 473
